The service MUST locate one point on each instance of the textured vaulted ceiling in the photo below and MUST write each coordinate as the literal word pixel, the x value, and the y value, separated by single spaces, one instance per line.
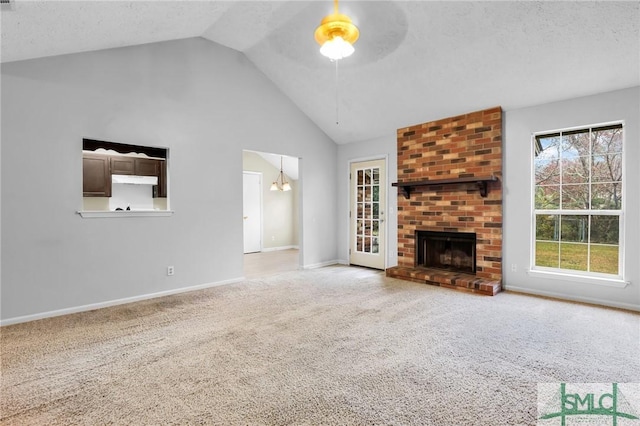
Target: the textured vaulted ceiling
pixel 415 61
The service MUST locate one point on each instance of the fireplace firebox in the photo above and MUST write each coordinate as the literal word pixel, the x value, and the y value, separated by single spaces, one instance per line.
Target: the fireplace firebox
pixel 451 251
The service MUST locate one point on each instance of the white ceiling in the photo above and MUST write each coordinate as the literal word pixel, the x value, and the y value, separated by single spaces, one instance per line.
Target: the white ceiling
pixel 415 61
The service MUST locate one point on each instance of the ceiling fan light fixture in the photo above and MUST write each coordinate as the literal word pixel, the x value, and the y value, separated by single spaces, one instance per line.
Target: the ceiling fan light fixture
pixel 336 48
pixel 336 35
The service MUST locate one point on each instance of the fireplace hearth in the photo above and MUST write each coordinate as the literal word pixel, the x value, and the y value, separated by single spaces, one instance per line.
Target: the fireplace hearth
pixel 451 251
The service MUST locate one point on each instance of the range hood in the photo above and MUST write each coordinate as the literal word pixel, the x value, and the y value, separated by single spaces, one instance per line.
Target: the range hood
pixel 134 180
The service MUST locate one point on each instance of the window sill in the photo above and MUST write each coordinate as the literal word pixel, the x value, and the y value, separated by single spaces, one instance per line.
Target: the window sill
pixel 607 282
pixel 125 213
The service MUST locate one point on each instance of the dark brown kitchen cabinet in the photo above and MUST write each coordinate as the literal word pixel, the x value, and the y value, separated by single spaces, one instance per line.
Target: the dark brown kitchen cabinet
pixel 135 166
pixel 160 191
pixel 147 167
pixel 122 166
pixel 96 176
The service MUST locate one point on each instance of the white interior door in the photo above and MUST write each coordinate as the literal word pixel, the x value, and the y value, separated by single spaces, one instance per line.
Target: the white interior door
pixel 252 211
pixel 367 213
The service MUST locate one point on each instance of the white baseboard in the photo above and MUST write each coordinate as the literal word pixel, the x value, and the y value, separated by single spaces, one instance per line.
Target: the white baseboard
pixel 343 262
pixel 572 298
pixel 321 264
pixel 99 305
pixel 280 248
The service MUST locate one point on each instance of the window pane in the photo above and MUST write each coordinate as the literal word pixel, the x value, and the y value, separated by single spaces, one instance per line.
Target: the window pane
pixel 547 227
pixel 376 227
pixel 360 177
pixel 604 259
pixel 376 210
pixel 573 256
pixel 575 197
pixel 605 229
pixel 360 213
pixel 575 170
pixel 367 176
pixel 547 148
pixel 606 196
pixel 574 228
pixel 376 176
pixel 547 197
pixel 374 245
pixel 575 145
pixel 607 141
pixel 376 193
pixel 606 168
pixel 547 254
pixel 547 171
pixel 360 194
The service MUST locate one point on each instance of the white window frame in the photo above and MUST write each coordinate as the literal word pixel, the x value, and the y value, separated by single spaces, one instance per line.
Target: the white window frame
pixel 597 278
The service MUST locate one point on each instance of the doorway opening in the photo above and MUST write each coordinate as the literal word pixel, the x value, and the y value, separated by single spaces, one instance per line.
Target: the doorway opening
pixel 271 213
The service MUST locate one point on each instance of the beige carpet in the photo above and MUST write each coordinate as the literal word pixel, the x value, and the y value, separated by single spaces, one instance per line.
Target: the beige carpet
pixel 336 345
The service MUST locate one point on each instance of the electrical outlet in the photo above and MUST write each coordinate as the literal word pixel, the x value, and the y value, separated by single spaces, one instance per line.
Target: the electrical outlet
pixel 170 270
pixel 514 267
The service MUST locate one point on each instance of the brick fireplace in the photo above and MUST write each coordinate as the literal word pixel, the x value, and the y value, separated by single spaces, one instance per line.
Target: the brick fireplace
pixel 449 187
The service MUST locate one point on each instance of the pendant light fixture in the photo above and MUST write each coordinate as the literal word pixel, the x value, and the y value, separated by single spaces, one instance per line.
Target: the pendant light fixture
pixel 280 184
pixel 336 35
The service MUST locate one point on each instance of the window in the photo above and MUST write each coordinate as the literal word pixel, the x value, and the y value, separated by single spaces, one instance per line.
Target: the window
pixel 128 179
pixel 578 201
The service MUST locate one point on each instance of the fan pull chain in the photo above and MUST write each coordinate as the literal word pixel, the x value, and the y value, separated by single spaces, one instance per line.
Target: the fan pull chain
pixel 337 111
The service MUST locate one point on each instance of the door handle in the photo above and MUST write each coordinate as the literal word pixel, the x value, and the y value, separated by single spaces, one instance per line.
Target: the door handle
pixel 245 217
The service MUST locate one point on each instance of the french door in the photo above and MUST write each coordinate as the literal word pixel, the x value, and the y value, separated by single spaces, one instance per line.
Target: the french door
pixel 368 202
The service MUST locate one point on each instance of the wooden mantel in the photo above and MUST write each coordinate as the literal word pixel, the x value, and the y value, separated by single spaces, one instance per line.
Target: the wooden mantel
pixel 481 182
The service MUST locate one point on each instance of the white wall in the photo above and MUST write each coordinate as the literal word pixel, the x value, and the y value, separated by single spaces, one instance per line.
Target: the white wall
pixel 519 125
pixel 204 102
pixel 279 220
pixel 383 147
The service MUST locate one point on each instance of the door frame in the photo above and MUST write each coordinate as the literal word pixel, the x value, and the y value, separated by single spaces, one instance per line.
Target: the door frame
pixel 259 174
pixel 385 158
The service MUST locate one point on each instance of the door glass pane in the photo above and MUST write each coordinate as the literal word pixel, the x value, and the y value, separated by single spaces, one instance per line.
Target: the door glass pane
pixel 367 244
